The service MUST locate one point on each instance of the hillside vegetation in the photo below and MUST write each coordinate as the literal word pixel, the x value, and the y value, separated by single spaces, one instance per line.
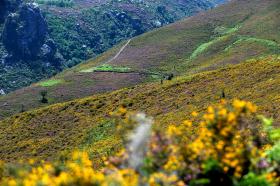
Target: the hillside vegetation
pixel 79 30
pixel 215 148
pixel 88 28
pixel 226 35
pixel 194 103
pixel 86 124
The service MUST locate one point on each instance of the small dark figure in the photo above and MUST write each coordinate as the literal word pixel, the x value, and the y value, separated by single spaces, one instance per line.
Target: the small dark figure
pixel 170 76
pixel 44 94
pixel 22 108
pixel 223 96
pixel 161 81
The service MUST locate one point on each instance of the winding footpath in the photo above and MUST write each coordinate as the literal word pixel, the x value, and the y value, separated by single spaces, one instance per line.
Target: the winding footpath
pixel 118 54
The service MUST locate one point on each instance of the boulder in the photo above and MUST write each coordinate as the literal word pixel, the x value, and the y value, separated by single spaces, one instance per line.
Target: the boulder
pixel 48 50
pixel 2 92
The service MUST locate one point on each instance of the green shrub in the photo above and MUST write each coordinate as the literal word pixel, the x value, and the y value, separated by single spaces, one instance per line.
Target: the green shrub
pixel 252 179
pixel 59 3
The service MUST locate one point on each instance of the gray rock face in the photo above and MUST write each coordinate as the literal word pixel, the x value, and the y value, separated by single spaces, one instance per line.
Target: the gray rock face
pixel 25 32
pixel 7 6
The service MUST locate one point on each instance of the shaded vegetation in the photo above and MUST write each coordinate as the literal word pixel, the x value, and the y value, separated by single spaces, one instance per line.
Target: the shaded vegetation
pixel 97 27
pixel 59 3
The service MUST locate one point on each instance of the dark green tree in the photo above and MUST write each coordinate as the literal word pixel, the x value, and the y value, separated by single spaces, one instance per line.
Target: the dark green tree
pixel 44 95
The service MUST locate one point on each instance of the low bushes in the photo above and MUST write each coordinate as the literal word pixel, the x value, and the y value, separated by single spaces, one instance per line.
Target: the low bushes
pixel 228 145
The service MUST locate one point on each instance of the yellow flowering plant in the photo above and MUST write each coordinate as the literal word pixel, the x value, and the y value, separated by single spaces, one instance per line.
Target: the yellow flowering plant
pixel 228 145
pixel 222 148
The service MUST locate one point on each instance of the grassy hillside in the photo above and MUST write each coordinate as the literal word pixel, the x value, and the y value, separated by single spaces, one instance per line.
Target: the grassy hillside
pixel 86 123
pixel 82 29
pixel 87 28
pixel 231 145
pixel 193 138
pixel 226 35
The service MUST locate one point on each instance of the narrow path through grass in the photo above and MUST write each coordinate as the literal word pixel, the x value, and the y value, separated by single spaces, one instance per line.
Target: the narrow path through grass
pixel 106 67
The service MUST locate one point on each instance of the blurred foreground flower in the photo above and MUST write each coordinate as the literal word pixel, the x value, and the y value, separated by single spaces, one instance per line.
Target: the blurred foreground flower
pixel 230 145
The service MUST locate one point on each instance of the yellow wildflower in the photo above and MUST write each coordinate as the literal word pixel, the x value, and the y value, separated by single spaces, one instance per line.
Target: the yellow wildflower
pixel 187 123
pixel 194 114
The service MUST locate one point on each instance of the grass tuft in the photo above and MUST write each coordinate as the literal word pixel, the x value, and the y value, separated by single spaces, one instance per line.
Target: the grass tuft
pixel 106 68
pixel 50 83
pixel 222 32
pixel 265 42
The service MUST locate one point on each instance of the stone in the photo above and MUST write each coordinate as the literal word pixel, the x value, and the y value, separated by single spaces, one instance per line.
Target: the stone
pixel 48 50
pixel 2 92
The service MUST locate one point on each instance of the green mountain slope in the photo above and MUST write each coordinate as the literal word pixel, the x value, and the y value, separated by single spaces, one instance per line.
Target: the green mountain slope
pixel 87 28
pixel 209 52
pixel 226 35
pixel 81 30
pixel 86 123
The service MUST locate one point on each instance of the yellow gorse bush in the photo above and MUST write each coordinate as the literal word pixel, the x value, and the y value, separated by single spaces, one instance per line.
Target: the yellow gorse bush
pixel 225 146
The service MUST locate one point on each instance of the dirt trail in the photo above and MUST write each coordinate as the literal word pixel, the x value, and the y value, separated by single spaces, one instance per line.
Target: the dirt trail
pixel 118 54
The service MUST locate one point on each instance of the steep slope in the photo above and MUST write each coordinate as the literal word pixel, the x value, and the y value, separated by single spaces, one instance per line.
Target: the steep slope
pixel 85 123
pixel 95 26
pixel 211 40
pixel 80 29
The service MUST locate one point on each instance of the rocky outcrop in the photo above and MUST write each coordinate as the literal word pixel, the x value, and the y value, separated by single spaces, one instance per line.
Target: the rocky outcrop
pixel 25 32
pixel 25 36
pixel 7 6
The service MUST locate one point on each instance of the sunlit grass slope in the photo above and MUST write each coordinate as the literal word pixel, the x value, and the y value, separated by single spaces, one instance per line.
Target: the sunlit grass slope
pixel 86 123
pixel 211 40
pixel 229 144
